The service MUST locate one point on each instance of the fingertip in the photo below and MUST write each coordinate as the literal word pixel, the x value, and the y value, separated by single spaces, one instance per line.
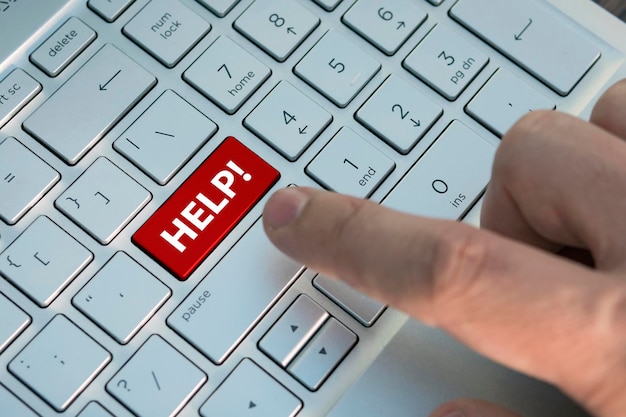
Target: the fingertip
pixel 283 208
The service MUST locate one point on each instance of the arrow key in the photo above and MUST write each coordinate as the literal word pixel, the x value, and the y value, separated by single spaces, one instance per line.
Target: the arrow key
pixel 323 354
pixel 250 391
pixel 293 330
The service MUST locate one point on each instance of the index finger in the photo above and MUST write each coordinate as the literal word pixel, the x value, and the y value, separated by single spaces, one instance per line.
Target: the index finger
pixel 518 305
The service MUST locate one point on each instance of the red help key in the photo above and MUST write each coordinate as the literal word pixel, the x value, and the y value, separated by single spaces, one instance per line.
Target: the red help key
pixel 205 208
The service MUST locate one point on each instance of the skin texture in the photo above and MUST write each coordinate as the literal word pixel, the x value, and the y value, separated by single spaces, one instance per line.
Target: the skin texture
pixel 541 287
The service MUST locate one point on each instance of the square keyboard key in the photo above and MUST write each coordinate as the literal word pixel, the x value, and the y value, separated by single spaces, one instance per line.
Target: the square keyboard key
pixel 337 68
pixel 288 120
pixel 103 208
pixel 43 260
pixel 448 179
pixel 59 362
pixel 446 61
pixel 349 164
pixel 399 113
pixel 167 30
pixel 165 136
pixel 227 74
pixel 121 285
pixel 387 25
pixel 157 380
pixel 278 27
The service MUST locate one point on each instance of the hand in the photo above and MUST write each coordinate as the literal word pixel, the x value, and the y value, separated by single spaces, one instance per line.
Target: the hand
pixel 558 182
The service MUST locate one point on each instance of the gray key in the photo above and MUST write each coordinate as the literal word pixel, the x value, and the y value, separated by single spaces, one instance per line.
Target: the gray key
pixel 91 102
pixel 103 200
pixel 157 380
pixel 293 330
pixel 16 90
pixel 288 120
pixel 24 180
pixel 250 391
pixel 59 362
pixel 13 322
pixel 399 113
pixel 337 68
pixel 121 285
pixel 165 136
pixel 227 74
pixel 323 354
pixel 167 30
pixel 503 100
pixel 349 164
pixel 446 61
pixel 109 10
pixel 358 305
pixel 43 260
pixel 63 46
pixel 12 406
pixel 276 26
pixel 387 25
pixel 533 36
pixel 262 274
pixel 447 180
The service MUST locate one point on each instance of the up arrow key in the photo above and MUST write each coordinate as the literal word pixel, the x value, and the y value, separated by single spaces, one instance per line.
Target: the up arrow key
pixel 294 328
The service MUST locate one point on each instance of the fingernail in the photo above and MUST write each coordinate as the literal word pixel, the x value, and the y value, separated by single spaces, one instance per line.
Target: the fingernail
pixel 284 207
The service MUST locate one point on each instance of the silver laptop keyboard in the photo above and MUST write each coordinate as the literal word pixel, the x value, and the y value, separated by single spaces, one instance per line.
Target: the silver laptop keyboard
pixel 141 138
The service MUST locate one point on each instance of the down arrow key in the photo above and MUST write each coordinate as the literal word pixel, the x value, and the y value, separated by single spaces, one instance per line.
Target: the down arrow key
pixel 323 354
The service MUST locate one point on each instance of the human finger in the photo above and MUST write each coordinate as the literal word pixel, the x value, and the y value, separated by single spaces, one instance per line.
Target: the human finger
pixel 469 407
pixel 610 109
pixel 558 181
pixel 519 305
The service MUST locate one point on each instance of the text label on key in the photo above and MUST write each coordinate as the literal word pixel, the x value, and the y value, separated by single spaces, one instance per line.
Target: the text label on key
pixel 206 207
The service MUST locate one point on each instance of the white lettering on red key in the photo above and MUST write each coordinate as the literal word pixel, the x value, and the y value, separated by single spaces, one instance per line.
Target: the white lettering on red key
pixel 205 208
